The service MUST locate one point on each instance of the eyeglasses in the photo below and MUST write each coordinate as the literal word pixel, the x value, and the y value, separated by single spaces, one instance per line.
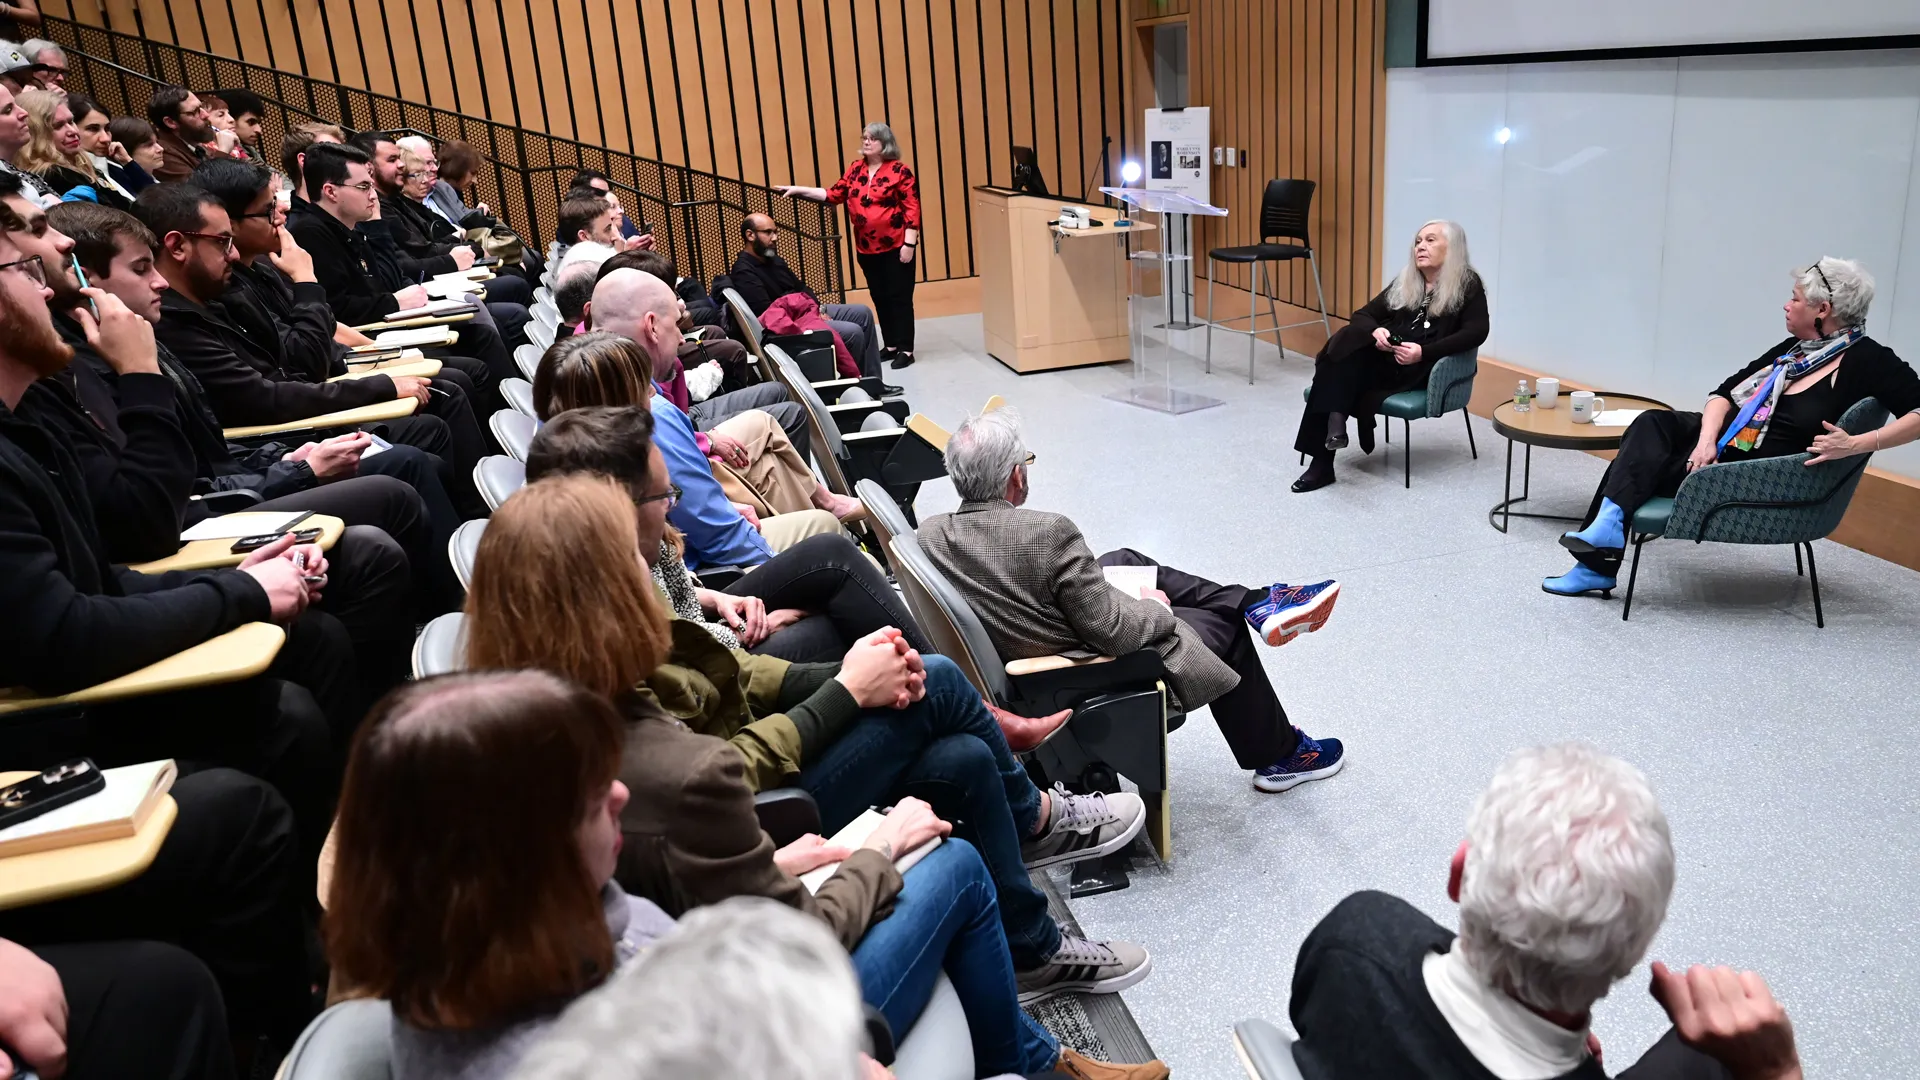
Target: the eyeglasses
pixel 1030 458
pixel 32 266
pixel 1828 285
pixel 223 239
pixel 365 187
pixel 672 497
pixel 265 215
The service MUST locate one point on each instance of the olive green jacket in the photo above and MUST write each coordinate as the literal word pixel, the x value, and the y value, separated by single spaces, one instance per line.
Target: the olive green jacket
pixel 779 715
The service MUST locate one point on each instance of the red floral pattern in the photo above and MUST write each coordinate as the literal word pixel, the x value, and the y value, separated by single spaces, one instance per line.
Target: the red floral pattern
pixel 882 207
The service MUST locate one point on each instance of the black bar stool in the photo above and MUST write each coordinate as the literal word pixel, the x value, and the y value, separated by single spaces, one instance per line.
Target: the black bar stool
pixel 1283 215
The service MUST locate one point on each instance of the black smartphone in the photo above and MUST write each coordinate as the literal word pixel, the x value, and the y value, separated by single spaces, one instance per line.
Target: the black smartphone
pixel 254 543
pixel 1395 339
pixel 24 800
pixel 646 228
pixel 487 260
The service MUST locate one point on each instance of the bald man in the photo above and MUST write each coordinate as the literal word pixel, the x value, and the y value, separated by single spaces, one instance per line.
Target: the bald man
pixel 643 309
pixel 761 277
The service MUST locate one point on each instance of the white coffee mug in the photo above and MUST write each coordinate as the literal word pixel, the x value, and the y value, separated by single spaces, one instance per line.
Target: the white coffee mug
pixel 1586 406
pixel 1548 393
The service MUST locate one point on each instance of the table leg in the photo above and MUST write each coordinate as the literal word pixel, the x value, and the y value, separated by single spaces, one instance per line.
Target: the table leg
pixel 1503 510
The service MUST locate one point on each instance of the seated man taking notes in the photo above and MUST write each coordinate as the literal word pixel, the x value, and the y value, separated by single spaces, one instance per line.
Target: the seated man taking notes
pixel 1036 585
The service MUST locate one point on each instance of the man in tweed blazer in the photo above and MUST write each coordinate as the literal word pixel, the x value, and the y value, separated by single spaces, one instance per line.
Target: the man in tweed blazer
pixel 1039 590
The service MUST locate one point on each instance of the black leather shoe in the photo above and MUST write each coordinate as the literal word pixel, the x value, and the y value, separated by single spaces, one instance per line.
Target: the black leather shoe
pixel 889 390
pixel 902 359
pixel 1317 476
pixel 1337 442
pixel 1366 437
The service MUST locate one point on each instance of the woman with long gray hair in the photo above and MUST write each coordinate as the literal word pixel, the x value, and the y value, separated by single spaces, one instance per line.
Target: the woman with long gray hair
pixel 883 204
pixel 1436 307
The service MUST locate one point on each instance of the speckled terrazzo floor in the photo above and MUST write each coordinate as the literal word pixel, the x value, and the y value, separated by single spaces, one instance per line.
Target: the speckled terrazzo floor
pixel 1795 814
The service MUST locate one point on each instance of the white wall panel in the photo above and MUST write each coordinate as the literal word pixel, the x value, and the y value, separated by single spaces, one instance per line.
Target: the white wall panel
pixel 1468 28
pixel 1638 229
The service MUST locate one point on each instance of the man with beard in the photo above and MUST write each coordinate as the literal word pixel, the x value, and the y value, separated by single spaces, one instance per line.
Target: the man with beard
pixel 359 266
pixel 73 620
pixel 243 369
pixel 761 276
pixel 180 119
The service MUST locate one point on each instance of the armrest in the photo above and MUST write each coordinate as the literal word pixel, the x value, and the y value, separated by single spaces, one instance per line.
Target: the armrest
pixel 41 876
pixel 786 814
pixel 365 414
pixel 935 435
pixel 423 320
pixel 1265 1052
pixel 1034 665
pixel 226 502
pixel 424 368
pixel 366 354
pixel 213 554
pixel 869 440
pixel 241 653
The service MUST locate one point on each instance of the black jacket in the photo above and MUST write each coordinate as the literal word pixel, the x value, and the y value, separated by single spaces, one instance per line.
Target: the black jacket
pixel 64 180
pixel 246 376
pixel 262 301
pixel 761 283
pixel 359 276
pixel 72 620
pixel 413 233
pixel 135 437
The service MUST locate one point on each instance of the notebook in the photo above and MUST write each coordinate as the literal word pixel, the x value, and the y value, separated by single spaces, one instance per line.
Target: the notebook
pixel 432 307
pixel 416 336
pixel 245 523
pixel 116 811
pixel 450 286
pixel 851 838
pixel 1133 580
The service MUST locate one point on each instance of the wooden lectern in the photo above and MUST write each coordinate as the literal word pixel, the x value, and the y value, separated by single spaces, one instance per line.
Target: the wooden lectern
pixel 1050 297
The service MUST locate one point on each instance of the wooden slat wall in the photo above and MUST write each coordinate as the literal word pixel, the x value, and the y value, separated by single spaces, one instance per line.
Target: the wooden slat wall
pixel 765 91
pixel 1300 85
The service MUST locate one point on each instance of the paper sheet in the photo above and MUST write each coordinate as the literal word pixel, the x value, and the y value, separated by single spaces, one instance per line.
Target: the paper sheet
pixel 851 838
pixel 1616 417
pixel 1132 579
pixel 416 335
pixel 453 286
pixel 432 307
pixel 249 523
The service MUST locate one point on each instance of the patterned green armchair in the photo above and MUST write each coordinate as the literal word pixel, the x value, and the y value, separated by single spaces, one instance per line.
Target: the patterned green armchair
pixel 1449 387
pixel 1776 500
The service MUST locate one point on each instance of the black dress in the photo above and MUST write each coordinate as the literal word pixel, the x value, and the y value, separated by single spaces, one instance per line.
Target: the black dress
pixel 1353 377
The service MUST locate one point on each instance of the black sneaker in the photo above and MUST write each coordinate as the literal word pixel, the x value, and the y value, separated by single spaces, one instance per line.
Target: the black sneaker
pixel 890 390
pixel 902 359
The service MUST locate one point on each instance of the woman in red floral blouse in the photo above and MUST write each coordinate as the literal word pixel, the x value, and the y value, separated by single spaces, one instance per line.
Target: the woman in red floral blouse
pixel 883 203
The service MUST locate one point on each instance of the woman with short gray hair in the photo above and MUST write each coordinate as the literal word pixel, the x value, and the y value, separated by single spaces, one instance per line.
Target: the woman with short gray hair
pixel 883 204
pixel 1787 401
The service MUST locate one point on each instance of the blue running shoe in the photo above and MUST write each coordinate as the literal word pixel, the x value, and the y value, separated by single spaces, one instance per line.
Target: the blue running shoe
pixel 1313 759
pixel 1579 581
pixel 1290 610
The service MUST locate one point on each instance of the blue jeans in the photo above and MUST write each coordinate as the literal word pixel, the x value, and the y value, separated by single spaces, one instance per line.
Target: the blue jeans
pixel 946 749
pixel 946 917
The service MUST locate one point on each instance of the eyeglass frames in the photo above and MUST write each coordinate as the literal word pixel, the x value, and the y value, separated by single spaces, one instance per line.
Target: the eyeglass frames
pixel 672 496
pixel 32 266
pixel 225 241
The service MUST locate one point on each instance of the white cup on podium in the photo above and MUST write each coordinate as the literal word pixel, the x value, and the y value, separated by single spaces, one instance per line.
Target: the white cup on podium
pixel 1547 393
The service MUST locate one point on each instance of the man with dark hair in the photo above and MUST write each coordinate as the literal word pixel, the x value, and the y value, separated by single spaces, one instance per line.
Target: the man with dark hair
pixel 355 260
pixel 249 114
pixel 73 620
pixel 180 120
pixel 398 492
pixel 596 181
pixel 585 218
pixel 572 293
pixel 761 276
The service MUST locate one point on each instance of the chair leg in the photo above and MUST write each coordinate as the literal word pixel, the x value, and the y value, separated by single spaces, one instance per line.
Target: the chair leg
pixel 1253 320
pixel 1273 308
pixel 1632 577
pixel 1406 450
pixel 1209 367
pixel 1317 291
pixel 1798 570
pixel 1470 446
pixel 1819 616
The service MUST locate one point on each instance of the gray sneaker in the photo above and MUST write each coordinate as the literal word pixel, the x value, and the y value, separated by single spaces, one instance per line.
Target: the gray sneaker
pixel 1085 967
pixel 1085 827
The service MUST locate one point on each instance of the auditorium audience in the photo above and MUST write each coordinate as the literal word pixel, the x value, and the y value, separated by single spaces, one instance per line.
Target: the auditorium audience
pixel 356 262
pixel 112 165
pixel 1787 401
pixel 1039 590
pixel 1563 880
pixel 49 63
pixel 572 292
pixel 142 519
pixel 144 153
pixel 16 132
pixel 810 602
pixel 595 180
pixel 75 621
pixel 762 277
pixel 743 988
pixel 883 206
pixel 472 883
pixel 248 113
pixel 884 723
pixel 459 166
pixel 179 119
pixel 601 368
pixel 228 885
pixel 53 151
pixel 588 229
pixel 735 395
pixel 1435 308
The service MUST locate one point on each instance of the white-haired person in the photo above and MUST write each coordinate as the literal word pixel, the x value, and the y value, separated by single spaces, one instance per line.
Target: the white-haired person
pixel 883 205
pixel 1039 590
pixel 1435 308
pixel 1562 881
pixel 1788 400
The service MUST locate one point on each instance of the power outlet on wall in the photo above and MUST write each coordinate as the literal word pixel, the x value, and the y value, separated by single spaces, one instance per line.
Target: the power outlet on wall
pixel 1232 157
pixel 1219 155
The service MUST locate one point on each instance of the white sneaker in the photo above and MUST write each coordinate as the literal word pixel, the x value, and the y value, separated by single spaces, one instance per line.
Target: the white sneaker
pixel 1085 967
pixel 1085 827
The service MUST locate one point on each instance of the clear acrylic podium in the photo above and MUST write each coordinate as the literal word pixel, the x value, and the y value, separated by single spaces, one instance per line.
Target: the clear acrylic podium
pixel 1154 355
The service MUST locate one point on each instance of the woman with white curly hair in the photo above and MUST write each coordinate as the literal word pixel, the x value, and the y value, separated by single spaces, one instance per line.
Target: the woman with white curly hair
pixel 1787 401
pixel 1435 308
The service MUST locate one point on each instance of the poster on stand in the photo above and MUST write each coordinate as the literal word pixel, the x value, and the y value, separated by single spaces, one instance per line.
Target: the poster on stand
pixel 1179 160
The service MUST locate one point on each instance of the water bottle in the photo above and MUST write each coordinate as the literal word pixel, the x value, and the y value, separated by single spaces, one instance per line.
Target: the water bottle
pixel 1523 398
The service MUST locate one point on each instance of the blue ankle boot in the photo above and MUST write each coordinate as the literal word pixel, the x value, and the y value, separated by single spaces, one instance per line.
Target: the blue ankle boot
pixel 1580 581
pixel 1607 533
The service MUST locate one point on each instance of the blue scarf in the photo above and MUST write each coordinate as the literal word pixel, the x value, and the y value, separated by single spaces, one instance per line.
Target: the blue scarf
pixel 1758 396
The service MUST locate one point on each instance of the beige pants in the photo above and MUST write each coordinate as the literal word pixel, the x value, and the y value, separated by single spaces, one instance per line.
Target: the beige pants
pixel 782 531
pixel 776 480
